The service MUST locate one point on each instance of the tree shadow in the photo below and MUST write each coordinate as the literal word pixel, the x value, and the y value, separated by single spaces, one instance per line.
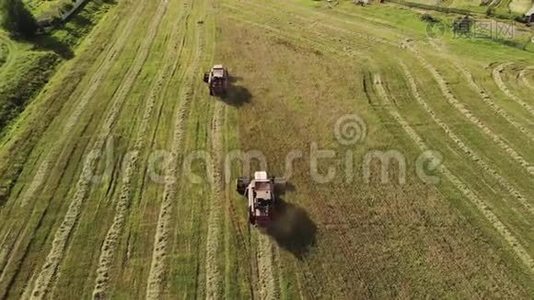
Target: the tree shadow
pixel 292 229
pixel 47 42
pixel 81 21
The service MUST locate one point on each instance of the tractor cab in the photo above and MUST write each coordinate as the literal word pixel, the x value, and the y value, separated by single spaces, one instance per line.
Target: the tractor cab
pixel 217 80
pixel 261 201
pixel 261 196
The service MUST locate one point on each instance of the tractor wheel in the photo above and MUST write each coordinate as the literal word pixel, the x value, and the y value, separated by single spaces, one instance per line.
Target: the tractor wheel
pixel 206 77
pixel 251 218
pixel 242 185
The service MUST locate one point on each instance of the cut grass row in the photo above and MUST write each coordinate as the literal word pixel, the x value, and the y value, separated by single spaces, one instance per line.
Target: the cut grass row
pixel 127 250
pixel 131 166
pixel 163 234
pixel 82 188
pixel 28 68
pixel 50 180
pixel 504 89
pixel 294 66
pixel 278 20
pixel 461 144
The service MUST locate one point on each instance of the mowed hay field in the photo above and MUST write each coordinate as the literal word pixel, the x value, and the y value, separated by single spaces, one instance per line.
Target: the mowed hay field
pixel 99 204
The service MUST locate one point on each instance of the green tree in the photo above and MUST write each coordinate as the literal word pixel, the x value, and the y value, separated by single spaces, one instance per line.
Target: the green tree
pixel 17 19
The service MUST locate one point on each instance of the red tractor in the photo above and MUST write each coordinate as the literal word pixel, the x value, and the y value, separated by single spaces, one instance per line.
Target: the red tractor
pixel 217 80
pixel 261 192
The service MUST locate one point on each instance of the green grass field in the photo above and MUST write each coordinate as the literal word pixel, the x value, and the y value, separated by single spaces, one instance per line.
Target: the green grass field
pixel 98 204
pixel 27 65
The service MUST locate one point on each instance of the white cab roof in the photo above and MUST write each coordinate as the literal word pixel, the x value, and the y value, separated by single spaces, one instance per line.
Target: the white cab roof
pixel 260 175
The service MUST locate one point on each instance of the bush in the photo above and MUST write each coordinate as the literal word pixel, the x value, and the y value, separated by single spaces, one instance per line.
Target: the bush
pixel 17 19
pixel 428 18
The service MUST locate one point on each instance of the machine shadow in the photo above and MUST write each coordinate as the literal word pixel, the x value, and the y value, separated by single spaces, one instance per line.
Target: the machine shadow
pixel 292 229
pixel 236 95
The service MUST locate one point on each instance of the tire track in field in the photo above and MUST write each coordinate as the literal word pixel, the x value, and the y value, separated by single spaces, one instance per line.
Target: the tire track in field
pixel 87 96
pixel 268 288
pixel 346 249
pixel 159 250
pixel 267 265
pixel 500 179
pixel 262 276
pixel 214 248
pixel 55 256
pixel 263 26
pixel 461 144
pixel 348 51
pixel 243 242
pixel 322 46
pixel 496 74
pixel 213 245
pixel 482 207
pixel 442 83
pixel 360 25
pixel 4 249
pixel 243 239
pixel 17 244
pixel 292 15
pixel 46 103
pixel 315 45
pixel 171 59
pixel 524 79
pixel 285 34
pixel 489 101
pixel 43 169
pixel 294 11
pixel 276 30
